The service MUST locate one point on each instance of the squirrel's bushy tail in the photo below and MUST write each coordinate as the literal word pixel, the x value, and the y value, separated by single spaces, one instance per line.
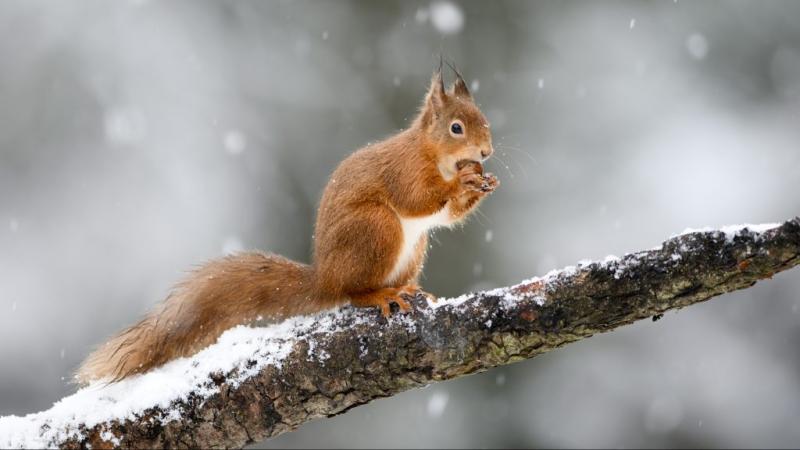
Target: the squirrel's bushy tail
pixel 234 290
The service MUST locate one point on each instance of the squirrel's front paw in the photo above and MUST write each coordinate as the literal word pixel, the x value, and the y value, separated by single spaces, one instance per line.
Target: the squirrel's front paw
pixel 470 174
pixel 490 183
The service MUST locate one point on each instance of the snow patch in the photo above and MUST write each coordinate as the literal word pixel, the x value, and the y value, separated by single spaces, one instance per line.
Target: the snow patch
pixel 731 231
pixel 110 437
pixel 512 294
pixel 455 301
pixel 610 259
pixel 241 349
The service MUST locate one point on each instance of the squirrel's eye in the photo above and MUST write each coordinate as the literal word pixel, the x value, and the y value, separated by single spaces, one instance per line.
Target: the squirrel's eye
pixel 456 128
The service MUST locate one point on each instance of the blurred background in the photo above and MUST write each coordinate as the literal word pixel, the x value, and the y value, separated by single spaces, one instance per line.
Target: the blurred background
pixel 139 138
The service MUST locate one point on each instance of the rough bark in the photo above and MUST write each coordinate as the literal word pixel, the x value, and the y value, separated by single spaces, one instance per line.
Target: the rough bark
pixel 373 359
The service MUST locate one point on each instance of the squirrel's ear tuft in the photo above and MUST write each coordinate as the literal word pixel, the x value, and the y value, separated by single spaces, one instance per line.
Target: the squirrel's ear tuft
pixel 460 86
pixel 436 93
pixel 435 99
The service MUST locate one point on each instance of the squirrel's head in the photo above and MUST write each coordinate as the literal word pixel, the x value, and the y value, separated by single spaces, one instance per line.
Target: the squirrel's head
pixel 451 121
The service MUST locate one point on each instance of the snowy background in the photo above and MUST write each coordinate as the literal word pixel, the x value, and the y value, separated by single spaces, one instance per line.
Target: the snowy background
pixel 139 138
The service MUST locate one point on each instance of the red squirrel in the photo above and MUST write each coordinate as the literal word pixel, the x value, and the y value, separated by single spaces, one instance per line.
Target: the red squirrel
pixel 369 247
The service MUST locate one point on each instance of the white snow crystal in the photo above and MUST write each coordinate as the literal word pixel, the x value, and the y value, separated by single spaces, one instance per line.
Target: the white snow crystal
pixel 110 437
pixel 632 23
pixel 509 295
pixel 447 17
pixel 13 225
pixel 697 45
pixel 732 230
pixel 125 125
pixel 489 235
pixel 474 86
pixel 437 403
pixel 232 244
pixel 455 301
pixel 540 83
pixel 235 142
pixel 321 355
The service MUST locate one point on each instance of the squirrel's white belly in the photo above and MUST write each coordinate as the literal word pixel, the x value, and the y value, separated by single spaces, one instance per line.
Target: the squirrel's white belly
pixel 413 229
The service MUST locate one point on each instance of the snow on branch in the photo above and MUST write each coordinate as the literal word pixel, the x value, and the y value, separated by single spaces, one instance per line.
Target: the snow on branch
pixel 255 383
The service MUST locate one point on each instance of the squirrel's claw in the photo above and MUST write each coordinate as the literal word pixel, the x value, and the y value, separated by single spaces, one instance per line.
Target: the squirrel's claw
pixel 490 183
pixel 383 299
pixel 414 290
pixel 386 309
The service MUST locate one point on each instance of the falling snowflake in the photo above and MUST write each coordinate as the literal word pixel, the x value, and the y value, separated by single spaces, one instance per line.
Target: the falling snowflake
pixel 234 142
pixel 475 85
pixel 232 244
pixel 437 403
pixel 697 45
pixel 447 17
pixel 125 125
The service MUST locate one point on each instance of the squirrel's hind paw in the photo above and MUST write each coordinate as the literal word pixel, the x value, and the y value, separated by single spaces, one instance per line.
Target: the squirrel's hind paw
pixel 413 290
pixel 383 299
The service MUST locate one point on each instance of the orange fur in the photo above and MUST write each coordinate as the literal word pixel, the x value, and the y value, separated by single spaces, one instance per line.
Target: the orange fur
pixel 358 241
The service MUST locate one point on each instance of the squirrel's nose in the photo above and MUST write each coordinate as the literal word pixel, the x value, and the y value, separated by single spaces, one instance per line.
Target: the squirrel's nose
pixel 487 152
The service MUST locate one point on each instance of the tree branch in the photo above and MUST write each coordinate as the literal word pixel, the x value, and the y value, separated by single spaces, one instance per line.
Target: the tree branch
pixel 258 383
